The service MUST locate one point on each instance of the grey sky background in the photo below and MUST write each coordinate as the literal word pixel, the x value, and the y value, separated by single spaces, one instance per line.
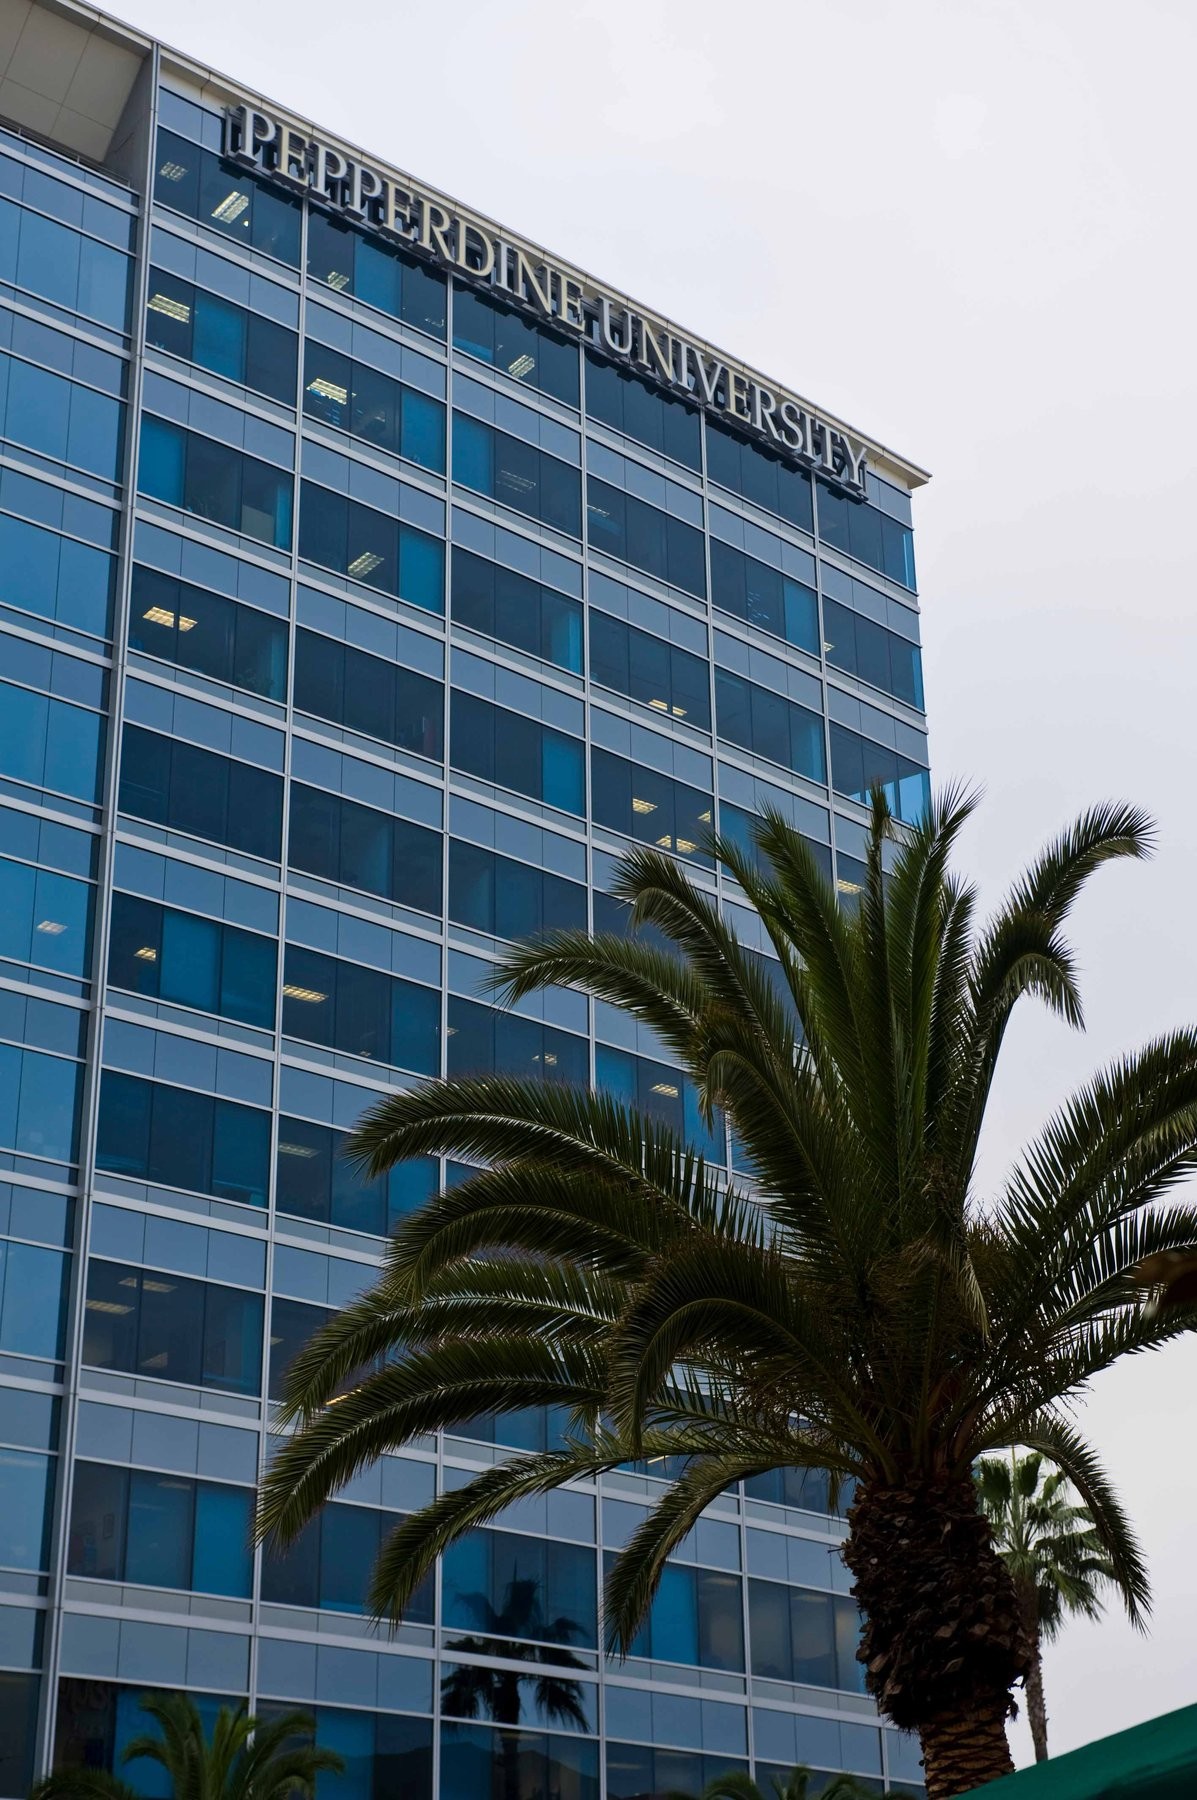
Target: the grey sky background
pixel 967 229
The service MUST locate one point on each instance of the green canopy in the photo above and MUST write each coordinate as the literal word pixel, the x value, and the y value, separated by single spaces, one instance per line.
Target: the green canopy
pixel 1155 1761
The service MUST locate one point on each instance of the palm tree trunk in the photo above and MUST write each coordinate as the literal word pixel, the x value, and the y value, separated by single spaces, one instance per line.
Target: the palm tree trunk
pixel 964 1750
pixel 1037 1705
pixel 944 1639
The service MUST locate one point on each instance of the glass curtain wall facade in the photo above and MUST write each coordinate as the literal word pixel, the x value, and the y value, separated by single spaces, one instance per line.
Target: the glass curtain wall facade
pixel 351 624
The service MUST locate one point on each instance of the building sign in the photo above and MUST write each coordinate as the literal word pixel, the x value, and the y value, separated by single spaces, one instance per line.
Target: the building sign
pixel 398 211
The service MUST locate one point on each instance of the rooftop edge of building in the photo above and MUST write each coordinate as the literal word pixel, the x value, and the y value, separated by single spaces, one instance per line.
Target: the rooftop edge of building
pixel 68 74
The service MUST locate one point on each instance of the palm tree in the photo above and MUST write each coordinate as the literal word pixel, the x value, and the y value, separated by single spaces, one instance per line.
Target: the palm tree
pixel 854 1304
pixel 470 1690
pixel 245 1759
pixel 1053 1551
pixel 735 1785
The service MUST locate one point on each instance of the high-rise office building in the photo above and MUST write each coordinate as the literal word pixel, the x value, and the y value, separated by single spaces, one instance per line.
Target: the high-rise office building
pixel 369 579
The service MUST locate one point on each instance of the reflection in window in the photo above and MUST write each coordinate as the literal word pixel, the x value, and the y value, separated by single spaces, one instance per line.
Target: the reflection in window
pixel 514 751
pixel 39 1103
pixel 803 1636
pixel 26 1482
pixel 180 1138
pixel 507 341
pixel 663 1093
pixel 184 469
pixel 149 1322
pixel 360 847
pixel 331 1561
pixel 45 918
pixel 60 419
pixel 500 603
pixel 226 198
pixel 765 723
pixel 63 266
pixel 763 596
pixel 671 680
pixel 363 401
pixel 371 547
pixel 643 804
pixel 527 1589
pixel 517 474
pixel 209 633
pixel 383 276
pixel 33 1294
pixel 481 1763
pixel 696 1618
pixel 205 328
pixel 184 788
pixel 635 1770
pixel 369 694
pixel 49 743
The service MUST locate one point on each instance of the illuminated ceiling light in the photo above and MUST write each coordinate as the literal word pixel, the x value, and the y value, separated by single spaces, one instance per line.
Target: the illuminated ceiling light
pixel 679 712
pixel 336 280
pixel 523 484
pixel 665 843
pixel 365 564
pixel 172 171
pixel 550 1059
pixel 174 309
pixel 660 705
pixel 847 887
pixel 827 648
pixel 231 207
pixel 147 953
pixel 668 1088
pixel 328 390
pixel 686 847
pixel 304 1150
pixel 108 1306
pixel 309 995
pixel 705 818
pixel 161 615
pixel 156 1287
pixel 644 806
pixel 521 366
pixel 51 927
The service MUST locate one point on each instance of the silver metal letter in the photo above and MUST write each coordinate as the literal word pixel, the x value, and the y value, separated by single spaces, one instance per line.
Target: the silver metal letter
pixel 607 335
pixel 364 185
pixel 792 433
pixel 247 133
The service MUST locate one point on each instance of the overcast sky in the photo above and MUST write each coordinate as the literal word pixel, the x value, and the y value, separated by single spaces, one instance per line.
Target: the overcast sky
pixel 966 229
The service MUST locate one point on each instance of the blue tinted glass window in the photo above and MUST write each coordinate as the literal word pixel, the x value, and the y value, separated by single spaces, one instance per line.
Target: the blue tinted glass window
pixel 215 481
pixel 505 898
pixel 25 1481
pixel 759 475
pixel 316 1180
pixel 671 680
pixel 182 1139
pixel 484 1041
pixel 149 1322
pixel 49 743
pixel 767 724
pixel 39 1103
pixel 516 345
pixel 176 956
pixel 349 263
pixel 626 403
pixel 369 694
pixel 347 1007
pixel 55 577
pixel 516 752
pixel 763 596
pixel 204 328
pixel 45 918
pixel 371 547
pixel 652 808
pixel 500 603
pixel 517 474
pixel 226 198
pixel 858 766
pixel 222 1560
pixel 867 533
pixel 158 1550
pixel 209 633
pixel 643 535
pixel 359 847
pixel 361 400
pixel 32 1300
pixel 520 1588
pixel 61 265
pixel 872 653
pixel 178 785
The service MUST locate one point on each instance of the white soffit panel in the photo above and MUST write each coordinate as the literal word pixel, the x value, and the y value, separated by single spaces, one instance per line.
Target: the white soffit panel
pixel 63 76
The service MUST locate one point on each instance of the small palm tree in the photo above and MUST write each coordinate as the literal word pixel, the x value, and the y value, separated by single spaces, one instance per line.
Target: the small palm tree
pixel 245 1758
pixel 855 1303
pixel 470 1690
pixel 735 1785
pixel 1052 1549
